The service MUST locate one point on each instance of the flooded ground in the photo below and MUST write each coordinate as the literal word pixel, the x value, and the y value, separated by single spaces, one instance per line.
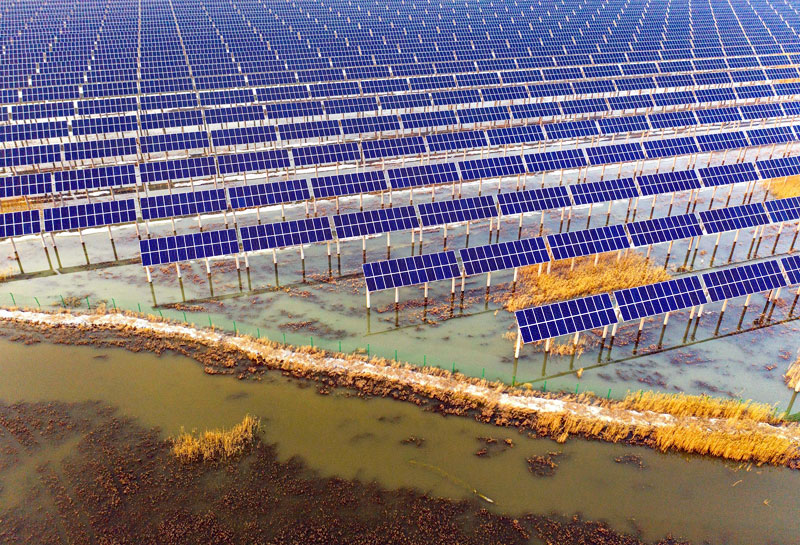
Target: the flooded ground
pixel 396 445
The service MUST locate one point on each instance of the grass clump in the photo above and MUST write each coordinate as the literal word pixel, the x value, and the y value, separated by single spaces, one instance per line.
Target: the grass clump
pixel 792 376
pixel 783 188
pixel 565 282
pixel 216 445
pixel 701 406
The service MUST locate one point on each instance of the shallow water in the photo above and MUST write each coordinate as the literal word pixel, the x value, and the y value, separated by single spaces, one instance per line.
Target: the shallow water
pixel 336 434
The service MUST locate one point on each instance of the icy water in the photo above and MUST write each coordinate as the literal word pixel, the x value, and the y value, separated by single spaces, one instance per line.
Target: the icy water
pixel 697 499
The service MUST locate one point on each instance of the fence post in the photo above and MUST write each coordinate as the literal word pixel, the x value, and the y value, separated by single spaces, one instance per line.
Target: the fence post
pixel 37 301
pixel 13 301
pixel 140 307
pixel 185 321
pixel 234 327
pixel 340 347
pixel 258 333
pixel 312 342
pixel 87 303
pixel 114 303
pixel 63 303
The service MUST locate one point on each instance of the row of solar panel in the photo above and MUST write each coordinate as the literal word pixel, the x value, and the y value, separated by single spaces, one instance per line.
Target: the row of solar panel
pixel 597 311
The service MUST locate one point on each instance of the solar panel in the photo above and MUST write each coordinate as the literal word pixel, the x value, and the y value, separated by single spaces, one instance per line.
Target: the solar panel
pixel 655 299
pixel 555 160
pixel 180 248
pixel 254 161
pixel 257 195
pixel 734 173
pixel 410 271
pixel 533 200
pixel 393 147
pixel 183 204
pixel 515 135
pixel 505 255
pixel 791 264
pixel 722 141
pixel 670 147
pixel 587 242
pixel 348 184
pixel 603 191
pixel 743 280
pixel 177 169
pixel 82 216
pixel 615 153
pixel 451 141
pixel 668 182
pixel 556 319
pixel 26 184
pixel 492 167
pixel 457 210
pixel 771 135
pixel 372 222
pixel 285 234
pixel 653 231
pixel 733 218
pixel 783 209
pixel 408 177
pixel 671 120
pixel 17 224
pixel 779 168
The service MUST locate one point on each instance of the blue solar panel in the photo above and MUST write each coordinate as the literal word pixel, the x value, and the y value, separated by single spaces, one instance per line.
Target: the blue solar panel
pixel 285 234
pixel 615 153
pixel 728 174
pixel 410 271
pixel 492 167
pixel 533 200
pixel 505 255
pixel 734 217
pixel 670 147
pixel 372 222
pixel 95 178
pixel 571 129
pixel 348 184
pixel 177 169
pixel 722 141
pixel 16 224
pixel 791 265
pixel 393 147
pixel 771 135
pixel 96 214
pixel 457 211
pixel 668 182
pixel 555 160
pixel 588 242
pixel 183 204
pixel 655 299
pixel 284 191
pixel 451 141
pixel 603 191
pixel 783 209
pixel 743 280
pixel 26 184
pixel 515 135
pixel 180 248
pixel 408 177
pixel 554 320
pixel 653 231
pixel 779 168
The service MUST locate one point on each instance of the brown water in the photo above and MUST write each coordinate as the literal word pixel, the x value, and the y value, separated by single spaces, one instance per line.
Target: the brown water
pixel 355 438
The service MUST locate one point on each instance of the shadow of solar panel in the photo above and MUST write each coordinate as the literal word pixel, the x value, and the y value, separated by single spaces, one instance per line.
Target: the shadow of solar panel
pixel 26 184
pixel 504 255
pixel 735 173
pixel 285 234
pixel 655 299
pixel 82 216
pixel 734 217
pixel 16 224
pixel 656 230
pixel 588 242
pixel 668 182
pixel 183 204
pixel 670 147
pixel 372 222
pixel 555 160
pixel 410 271
pixel 554 320
pixel 422 175
pixel 791 264
pixel 457 211
pixel 603 191
pixel 181 248
pixel 272 193
pixel 778 168
pixel 533 200
pixel 615 153
pixel 783 209
pixel 743 280
pixel 348 184
pixel 492 167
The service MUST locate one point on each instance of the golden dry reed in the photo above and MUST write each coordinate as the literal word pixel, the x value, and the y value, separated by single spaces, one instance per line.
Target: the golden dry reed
pixel 792 376
pixel 782 188
pixel 702 406
pixel 586 278
pixel 216 445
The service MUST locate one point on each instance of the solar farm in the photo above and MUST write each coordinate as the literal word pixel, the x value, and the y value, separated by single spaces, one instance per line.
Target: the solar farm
pixel 562 196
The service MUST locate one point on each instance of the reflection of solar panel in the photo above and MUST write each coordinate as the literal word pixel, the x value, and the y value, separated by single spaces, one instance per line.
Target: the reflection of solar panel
pixel 615 153
pixel 587 242
pixel 457 210
pixel 555 160
pixel 791 265
pixel 668 182
pixel 82 216
pixel 505 255
pixel 179 248
pixel 783 209
pixel 603 191
pixel 492 167
pixel 533 200
pixel 554 320
pixel 653 231
pixel 743 280
pixel 284 191
pixel 285 234
pixel 734 217
pixel 728 174
pixel 410 271
pixel 16 224
pixel 27 184
pixel 372 222
pixel 441 173
pixel 348 184
pixel 655 299
pixel 183 204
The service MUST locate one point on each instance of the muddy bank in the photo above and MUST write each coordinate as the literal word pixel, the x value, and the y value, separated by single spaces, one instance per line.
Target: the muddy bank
pixel 552 415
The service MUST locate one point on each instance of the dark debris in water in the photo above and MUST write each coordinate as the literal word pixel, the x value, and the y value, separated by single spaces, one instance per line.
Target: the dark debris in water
pixel 544 466
pixel 630 459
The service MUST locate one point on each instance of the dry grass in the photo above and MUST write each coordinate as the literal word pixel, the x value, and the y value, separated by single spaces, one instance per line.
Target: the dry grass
pixel 215 445
pixel 16 204
pixel 785 187
pixel 792 376
pixel 585 279
pixel 682 405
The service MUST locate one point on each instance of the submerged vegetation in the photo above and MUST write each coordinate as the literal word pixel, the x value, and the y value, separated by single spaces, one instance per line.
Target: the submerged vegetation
pixel 565 281
pixel 216 445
